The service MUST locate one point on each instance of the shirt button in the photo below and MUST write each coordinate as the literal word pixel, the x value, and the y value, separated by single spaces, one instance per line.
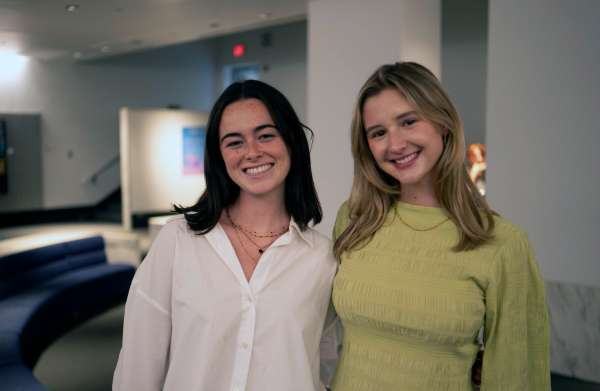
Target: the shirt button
pixel 245 345
pixel 249 298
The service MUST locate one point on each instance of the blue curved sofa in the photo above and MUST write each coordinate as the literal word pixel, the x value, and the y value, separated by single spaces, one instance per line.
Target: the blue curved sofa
pixel 46 291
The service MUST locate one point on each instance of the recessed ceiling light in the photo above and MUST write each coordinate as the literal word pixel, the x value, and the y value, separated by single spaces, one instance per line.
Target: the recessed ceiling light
pixel 265 15
pixel 77 55
pixel 105 49
pixel 71 7
pixel 214 25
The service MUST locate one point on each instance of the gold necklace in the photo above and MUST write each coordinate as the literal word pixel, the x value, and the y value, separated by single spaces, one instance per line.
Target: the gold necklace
pixel 254 234
pixel 238 236
pixel 260 249
pixel 418 229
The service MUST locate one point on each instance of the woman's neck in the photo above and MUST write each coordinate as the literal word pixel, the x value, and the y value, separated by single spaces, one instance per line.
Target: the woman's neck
pixel 262 215
pixel 419 195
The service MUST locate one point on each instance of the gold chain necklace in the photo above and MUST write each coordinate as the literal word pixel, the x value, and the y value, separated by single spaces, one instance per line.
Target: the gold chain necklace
pixel 418 229
pixel 238 236
pixel 254 234
pixel 260 248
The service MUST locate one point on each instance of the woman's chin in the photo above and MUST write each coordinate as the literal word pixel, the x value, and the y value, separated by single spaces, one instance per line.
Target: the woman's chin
pixel 261 190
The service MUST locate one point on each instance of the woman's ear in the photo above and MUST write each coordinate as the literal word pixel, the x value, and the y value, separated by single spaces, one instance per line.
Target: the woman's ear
pixel 445 135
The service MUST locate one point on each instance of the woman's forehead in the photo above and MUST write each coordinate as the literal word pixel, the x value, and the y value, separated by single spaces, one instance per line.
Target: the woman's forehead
pixel 245 115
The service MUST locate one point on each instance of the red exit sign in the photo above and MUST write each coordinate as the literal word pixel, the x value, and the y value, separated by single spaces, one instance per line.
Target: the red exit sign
pixel 238 50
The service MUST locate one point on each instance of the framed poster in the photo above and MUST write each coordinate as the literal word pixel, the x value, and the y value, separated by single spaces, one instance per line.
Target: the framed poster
pixel 3 175
pixel 194 139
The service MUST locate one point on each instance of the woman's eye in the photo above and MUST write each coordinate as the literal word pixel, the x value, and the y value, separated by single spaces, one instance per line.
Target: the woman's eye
pixel 409 122
pixel 379 133
pixel 267 136
pixel 234 144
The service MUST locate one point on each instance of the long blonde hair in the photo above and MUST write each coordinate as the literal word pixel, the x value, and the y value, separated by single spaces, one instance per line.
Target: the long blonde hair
pixel 374 191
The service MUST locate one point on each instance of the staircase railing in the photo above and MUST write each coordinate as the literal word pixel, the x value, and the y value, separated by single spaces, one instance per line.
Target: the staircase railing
pixel 92 178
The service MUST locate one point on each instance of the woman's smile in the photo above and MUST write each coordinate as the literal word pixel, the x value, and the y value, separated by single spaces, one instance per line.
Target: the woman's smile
pixel 256 171
pixel 407 160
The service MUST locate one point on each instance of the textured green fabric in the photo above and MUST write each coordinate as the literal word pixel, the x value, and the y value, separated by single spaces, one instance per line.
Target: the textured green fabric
pixel 412 308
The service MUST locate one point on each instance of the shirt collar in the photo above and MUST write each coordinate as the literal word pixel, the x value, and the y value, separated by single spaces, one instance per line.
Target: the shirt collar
pixel 306 234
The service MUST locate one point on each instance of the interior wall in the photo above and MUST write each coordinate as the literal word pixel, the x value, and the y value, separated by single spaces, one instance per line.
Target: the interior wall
pixel 283 61
pixel 420 39
pixel 542 129
pixel 464 62
pixel 152 156
pixel 79 104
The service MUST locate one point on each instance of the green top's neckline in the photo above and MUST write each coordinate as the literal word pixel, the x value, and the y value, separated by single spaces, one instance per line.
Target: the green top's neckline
pixel 419 208
pixel 417 217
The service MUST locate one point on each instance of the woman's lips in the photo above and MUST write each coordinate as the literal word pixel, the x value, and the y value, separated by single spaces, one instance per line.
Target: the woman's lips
pixel 406 161
pixel 257 170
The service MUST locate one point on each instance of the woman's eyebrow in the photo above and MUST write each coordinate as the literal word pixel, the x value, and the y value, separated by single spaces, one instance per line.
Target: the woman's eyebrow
pixel 398 118
pixel 261 127
pixel 233 134
pixel 257 129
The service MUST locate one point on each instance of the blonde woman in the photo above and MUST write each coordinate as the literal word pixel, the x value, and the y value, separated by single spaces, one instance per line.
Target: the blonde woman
pixel 424 262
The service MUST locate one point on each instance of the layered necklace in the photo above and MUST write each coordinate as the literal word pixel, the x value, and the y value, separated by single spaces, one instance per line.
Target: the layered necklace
pixel 245 232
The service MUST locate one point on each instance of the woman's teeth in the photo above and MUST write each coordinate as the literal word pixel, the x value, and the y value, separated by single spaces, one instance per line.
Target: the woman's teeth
pixel 407 159
pixel 258 170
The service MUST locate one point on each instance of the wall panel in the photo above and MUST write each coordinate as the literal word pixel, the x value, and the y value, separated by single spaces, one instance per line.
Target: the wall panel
pixel 24 164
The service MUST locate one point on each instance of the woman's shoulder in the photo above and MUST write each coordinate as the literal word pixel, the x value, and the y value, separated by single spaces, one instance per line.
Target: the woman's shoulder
pixel 319 242
pixel 177 225
pixel 510 240
pixel 176 221
pixel 342 219
pixel 157 266
pixel 174 229
pixel 317 247
pixel 506 229
pixel 512 251
pixel 318 238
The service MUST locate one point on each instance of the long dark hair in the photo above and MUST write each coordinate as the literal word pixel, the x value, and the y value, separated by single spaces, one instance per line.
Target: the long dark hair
pixel 301 200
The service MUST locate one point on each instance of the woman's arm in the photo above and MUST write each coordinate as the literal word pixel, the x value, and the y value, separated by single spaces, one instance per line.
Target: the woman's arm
pixel 333 332
pixel 331 345
pixel 516 336
pixel 143 360
pixel 144 357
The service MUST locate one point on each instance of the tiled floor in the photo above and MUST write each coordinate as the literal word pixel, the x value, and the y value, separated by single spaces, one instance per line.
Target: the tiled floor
pixel 85 358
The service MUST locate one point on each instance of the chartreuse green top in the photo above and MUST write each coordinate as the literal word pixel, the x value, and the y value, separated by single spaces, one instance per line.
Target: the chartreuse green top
pixel 412 308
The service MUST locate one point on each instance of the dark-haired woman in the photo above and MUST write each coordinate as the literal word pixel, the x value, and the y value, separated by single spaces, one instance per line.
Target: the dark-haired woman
pixel 233 295
pixel 424 262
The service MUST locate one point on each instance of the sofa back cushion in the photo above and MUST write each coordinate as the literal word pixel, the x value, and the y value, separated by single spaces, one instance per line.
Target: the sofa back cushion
pixel 21 270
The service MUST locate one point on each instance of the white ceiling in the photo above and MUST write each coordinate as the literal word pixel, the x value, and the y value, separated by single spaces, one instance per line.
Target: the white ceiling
pixel 45 29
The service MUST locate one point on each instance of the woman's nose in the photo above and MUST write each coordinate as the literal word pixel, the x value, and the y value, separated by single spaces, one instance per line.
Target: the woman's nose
pixel 397 140
pixel 254 151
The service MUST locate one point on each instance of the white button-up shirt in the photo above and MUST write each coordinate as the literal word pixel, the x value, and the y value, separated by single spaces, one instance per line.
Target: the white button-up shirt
pixel 193 321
